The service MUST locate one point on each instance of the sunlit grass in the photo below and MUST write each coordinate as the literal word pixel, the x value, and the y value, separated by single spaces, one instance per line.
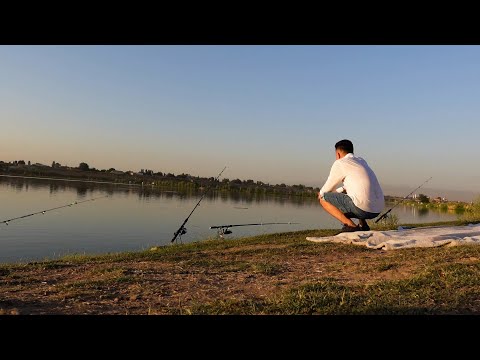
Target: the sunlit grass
pixel 473 213
pixel 389 222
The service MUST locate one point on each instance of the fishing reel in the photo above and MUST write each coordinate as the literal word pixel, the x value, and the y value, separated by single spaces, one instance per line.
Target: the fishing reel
pixel 179 233
pixel 224 231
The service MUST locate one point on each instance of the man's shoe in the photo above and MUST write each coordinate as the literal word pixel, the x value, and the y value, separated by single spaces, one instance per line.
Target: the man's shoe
pixel 347 228
pixel 365 228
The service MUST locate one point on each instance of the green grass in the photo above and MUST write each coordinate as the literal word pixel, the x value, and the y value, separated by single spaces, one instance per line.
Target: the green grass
pixel 390 221
pixel 268 268
pixel 385 266
pixel 472 213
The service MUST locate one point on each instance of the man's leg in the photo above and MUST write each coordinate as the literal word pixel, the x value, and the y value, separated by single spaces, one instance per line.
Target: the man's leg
pixel 336 213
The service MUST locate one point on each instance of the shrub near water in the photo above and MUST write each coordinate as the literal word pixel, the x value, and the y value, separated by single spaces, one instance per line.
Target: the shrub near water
pixel 389 222
pixel 473 213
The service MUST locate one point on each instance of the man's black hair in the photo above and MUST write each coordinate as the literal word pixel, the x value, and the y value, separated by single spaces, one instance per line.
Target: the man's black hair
pixel 345 145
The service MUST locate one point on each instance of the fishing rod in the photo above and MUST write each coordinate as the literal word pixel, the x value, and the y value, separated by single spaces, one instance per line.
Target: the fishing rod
pixel 224 229
pixel 385 214
pixel 55 208
pixel 182 229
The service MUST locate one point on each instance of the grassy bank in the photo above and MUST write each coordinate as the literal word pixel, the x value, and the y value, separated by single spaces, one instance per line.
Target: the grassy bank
pixel 269 274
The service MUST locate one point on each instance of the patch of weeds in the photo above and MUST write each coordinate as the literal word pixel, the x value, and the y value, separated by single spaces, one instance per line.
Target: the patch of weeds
pixel 389 222
pixel 54 265
pixel 228 307
pixel 386 266
pixel 115 277
pixel 4 272
pixel 107 271
pixel 268 268
pixel 223 265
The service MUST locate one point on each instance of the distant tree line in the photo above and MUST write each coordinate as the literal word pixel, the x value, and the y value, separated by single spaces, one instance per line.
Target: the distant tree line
pixel 182 182
pixel 156 179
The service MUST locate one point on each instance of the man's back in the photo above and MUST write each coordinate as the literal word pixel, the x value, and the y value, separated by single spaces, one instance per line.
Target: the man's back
pixel 361 183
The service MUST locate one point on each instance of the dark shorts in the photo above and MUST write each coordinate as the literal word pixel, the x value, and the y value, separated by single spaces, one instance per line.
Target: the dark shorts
pixel 345 204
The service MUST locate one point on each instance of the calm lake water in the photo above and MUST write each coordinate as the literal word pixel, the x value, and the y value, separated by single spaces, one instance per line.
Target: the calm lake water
pixel 137 218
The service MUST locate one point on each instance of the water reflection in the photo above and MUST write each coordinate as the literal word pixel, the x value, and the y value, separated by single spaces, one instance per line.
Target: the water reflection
pixel 136 217
pixel 422 212
pixel 81 191
pixel 18 185
pixel 149 192
pixel 53 188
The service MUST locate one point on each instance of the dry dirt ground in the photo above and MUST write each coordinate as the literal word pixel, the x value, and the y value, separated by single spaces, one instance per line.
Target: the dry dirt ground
pixel 175 285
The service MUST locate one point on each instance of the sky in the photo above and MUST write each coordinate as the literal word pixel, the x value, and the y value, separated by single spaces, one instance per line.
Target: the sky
pixel 268 113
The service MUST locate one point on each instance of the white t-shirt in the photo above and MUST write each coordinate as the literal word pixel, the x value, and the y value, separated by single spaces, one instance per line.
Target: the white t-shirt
pixel 359 181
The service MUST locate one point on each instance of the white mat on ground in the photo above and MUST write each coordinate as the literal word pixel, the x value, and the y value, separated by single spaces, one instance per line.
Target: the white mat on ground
pixel 408 238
